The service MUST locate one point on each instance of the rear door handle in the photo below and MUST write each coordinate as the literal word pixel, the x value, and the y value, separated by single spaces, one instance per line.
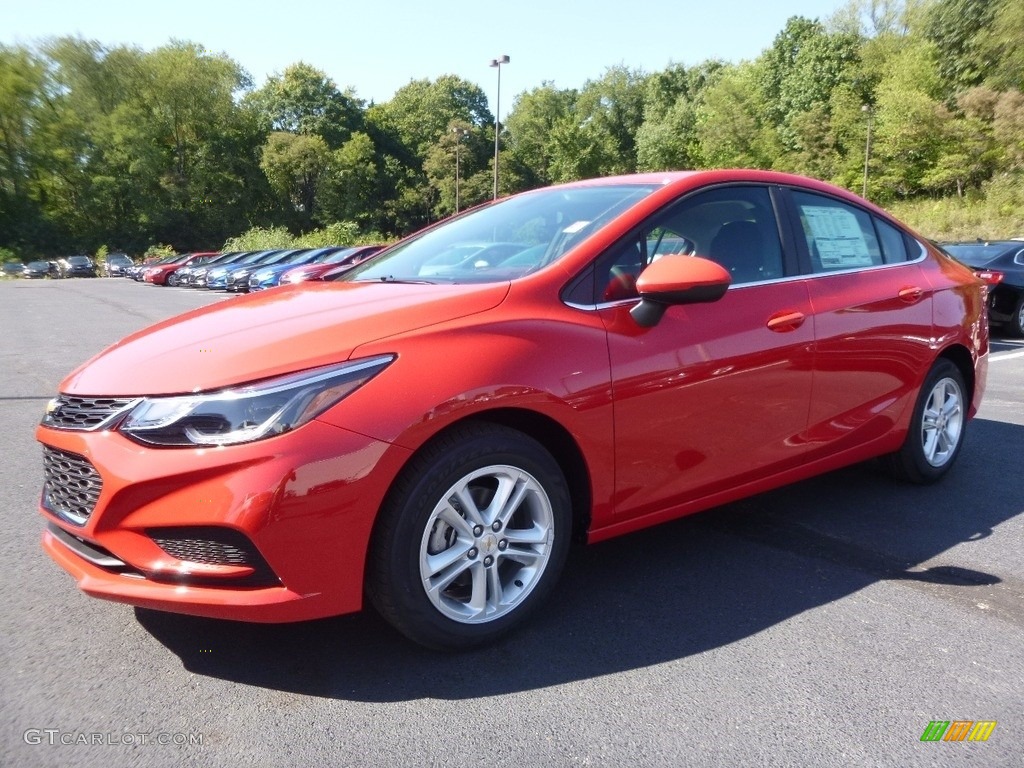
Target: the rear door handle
pixel 787 320
pixel 911 294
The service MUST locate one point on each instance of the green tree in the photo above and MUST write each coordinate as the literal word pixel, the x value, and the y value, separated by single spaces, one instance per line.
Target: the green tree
pixel 731 129
pixel 294 165
pixel 24 119
pixel 304 100
pixel 529 124
pixel 954 27
pixel 1000 45
pixel 667 139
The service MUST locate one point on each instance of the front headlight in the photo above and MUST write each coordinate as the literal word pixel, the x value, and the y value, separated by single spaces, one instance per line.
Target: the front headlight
pixel 249 412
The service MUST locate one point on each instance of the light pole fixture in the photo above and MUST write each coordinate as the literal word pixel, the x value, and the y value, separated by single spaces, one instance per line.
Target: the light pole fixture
pixel 866 109
pixel 497 111
pixel 460 133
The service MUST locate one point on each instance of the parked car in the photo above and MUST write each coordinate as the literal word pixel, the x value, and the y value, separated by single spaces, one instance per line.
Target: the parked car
pixel 217 277
pixel 36 270
pixel 115 264
pixel 237 280
pixel 270 276
pixel 12 268
pixel 185 276
pixel 135 272
pixel 432 439
pixel 337 262
pixel 76 266
pixel 1001 264
pixel 197 276
pixel 165 273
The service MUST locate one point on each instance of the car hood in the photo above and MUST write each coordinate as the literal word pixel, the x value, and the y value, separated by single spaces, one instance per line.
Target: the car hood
pixel 271 333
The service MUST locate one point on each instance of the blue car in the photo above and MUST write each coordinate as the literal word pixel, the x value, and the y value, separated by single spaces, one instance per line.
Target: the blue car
pixel 217 277
pixel 270 276
pixel 238 277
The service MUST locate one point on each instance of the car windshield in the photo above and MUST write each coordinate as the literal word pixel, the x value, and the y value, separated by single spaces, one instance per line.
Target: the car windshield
pixel 118 258
pixel 976 255
pixel 338 256
pixel 505 240
pixel 78 260
pixel 39 265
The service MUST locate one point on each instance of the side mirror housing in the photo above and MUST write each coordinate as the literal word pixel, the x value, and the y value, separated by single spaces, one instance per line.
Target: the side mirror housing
pixel 677 280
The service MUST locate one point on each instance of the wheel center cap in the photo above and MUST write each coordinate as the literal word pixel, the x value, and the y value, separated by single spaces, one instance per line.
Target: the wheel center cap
pixel 488 544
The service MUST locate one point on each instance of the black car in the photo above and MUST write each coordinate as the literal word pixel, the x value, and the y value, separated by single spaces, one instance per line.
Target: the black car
pixel 77 266
pixel 115 264
pixel 1006 293
pixel 38 269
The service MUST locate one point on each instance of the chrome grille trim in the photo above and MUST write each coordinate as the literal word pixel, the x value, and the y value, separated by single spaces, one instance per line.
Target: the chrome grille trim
pixel 72 485
pixel 85 549
pixel 85 414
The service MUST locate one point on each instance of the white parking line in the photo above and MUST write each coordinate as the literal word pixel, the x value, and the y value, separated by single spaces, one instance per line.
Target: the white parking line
pixel 1005 355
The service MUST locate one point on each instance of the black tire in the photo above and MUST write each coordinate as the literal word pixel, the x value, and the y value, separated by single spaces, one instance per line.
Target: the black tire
pixel 936 433
pixel 426 520
pixel 172 279
pixel 1015 327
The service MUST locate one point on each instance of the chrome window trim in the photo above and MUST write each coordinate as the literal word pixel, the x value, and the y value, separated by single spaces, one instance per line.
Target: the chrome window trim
pixel 774 280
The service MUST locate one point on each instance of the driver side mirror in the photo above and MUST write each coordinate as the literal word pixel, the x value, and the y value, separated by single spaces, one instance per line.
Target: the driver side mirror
pixel 677 280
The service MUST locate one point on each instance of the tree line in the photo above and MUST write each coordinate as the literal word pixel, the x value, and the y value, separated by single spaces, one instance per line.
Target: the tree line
pixel 123 148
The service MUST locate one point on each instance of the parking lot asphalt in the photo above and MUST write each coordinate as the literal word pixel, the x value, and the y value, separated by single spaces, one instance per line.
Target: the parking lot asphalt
pixel 823 624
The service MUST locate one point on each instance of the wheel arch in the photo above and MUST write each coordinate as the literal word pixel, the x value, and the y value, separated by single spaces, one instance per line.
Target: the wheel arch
pixel 960 356
pixel 546 431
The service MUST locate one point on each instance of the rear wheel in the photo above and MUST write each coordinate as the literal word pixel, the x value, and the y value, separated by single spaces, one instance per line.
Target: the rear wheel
pixel 1016 324
pixel 472 538
pixel 936 429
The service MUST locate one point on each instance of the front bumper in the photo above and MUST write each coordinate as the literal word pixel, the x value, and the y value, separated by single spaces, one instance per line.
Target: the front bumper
pixel 305 500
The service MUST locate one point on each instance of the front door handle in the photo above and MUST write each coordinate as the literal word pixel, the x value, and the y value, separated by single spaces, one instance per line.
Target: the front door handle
pixel 911 294
pixel 787 320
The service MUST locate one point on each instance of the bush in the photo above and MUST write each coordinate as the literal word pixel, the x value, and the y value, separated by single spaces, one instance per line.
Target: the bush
pixel 995 214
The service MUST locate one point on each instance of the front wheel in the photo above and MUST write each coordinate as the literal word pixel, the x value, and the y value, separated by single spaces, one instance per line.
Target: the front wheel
pixel 471 539
pixel 936 428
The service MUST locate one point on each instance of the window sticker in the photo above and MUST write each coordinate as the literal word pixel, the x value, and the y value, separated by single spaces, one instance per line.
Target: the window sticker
pixel 838 237
pixel 575 227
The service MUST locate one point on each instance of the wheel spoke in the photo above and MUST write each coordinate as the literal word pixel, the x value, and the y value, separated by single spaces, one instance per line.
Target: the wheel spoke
pixel 506 500
pixel 444 560
pixel 478 599
pixel 495 590
pixel 458 522
pixel 445 574
pixel 530 536
pixel 523 555
pixel 469 506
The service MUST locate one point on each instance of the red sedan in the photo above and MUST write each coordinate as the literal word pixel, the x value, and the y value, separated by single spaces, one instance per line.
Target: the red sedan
pixel 163 274
pixel 340 262
pixel 431 433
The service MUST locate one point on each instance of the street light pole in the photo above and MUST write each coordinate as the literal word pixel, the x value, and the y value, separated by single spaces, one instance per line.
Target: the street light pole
pixel 867 151
pixel 497 111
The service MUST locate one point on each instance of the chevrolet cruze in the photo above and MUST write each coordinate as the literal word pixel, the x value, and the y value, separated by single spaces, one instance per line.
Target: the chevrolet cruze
pixel 428 435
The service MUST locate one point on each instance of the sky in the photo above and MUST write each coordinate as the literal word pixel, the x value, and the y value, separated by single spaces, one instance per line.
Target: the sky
pixel 377 47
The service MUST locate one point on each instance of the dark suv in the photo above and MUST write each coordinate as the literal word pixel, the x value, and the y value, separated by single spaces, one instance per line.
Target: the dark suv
pixel 77 266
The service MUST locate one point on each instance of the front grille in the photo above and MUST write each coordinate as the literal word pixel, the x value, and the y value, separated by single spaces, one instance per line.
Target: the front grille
pixel 72 485
pixel 84 413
